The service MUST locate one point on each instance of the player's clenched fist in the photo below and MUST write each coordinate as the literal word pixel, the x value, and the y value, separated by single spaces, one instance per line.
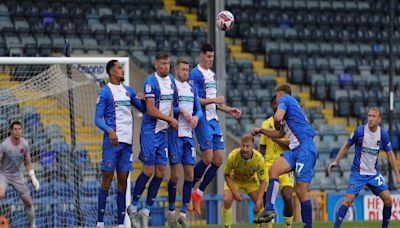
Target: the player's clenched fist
pixel 113 137
pixel 255 130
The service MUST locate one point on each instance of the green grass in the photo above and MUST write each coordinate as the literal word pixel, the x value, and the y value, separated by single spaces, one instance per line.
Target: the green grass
pixel 361 224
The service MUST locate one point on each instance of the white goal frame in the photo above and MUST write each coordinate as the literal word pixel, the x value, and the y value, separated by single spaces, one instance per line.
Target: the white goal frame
pixel 76 60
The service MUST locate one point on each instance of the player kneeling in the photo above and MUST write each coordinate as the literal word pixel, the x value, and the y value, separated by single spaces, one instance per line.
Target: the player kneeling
pixel 244 169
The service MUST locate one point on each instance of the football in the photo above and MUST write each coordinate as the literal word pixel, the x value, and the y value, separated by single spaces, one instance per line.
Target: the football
pixel 225 20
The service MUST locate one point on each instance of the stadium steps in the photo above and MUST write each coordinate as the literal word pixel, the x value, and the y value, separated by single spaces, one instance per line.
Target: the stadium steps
pixel 171 5
pixel 7 84
pixel 4 77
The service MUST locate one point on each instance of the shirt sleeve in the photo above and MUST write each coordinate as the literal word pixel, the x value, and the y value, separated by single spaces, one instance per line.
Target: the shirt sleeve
pixel 283 103
pixel 197 82
pixel 197 106
pixel 228 165
pixel 149 88
pixel 139 104
pixel 261 172
pixel 354 136
pixel 386 144
pixel 100 109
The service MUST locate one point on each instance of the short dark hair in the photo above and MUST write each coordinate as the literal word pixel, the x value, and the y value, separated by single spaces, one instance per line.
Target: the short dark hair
pixel 180 60
pixel 273 99
pixel 285 87
pixel 205 48
pixel 110 65
pixel 15 122
pixel 162 55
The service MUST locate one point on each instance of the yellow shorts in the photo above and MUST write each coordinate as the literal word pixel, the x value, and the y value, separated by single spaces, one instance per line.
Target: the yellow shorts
pixel 248 186
pixel 286 179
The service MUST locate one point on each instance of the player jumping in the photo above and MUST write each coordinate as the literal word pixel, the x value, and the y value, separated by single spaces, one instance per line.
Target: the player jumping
pixel 369 139
pixel 181 141
pixel 272 148
pixel 114 117
pixel 208 131
pixel 300 158
pixel 14 150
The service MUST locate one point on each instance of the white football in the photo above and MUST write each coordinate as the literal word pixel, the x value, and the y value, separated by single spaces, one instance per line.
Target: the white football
pixel 225 20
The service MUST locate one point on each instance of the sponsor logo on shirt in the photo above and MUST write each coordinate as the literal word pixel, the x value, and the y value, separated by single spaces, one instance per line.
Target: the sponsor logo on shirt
pixel 122 103
pixel 211 85
pixel 369 150
pixel 186 99
pixel 166 97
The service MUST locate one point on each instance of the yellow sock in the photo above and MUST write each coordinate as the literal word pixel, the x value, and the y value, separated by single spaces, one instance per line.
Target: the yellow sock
pixel 287 221
pixel 226 216
pixel 268 225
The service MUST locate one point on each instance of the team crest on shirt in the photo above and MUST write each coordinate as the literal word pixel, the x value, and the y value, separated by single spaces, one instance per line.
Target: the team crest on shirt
pixel 254 168
pixel 148 88
pixel 22 150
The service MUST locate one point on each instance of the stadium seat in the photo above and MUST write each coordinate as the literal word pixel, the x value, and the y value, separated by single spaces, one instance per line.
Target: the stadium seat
pixel 342 103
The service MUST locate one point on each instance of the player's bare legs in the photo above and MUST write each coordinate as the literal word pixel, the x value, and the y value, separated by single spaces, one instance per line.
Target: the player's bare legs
pixel 287 192
pixel 217 160
pixel 387 209
pixel 30 212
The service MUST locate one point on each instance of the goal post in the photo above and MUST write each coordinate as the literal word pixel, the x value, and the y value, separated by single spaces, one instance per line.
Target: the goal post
pixel 36 90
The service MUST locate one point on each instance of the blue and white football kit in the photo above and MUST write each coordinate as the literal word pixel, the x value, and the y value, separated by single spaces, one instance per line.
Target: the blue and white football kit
pixel 302 153
pixel 301 156
pixel 113 110
pixel 154 132
pixel 365 168
pixel 208 131
pixel 181 142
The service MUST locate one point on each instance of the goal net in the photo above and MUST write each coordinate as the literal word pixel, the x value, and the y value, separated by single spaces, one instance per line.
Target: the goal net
pixel 56 106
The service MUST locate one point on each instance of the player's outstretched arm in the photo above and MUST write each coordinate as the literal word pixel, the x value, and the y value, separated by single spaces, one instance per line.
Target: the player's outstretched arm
pixel 138 100
pixel 28 166
pixel 342 152
pixel 392 160
pixel 216 100
pixel 235 112
pixel 271 133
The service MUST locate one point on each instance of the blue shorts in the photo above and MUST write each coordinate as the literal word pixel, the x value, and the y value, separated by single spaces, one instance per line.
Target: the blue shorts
pixel 153 147
pixel 119 157
pixel 209 134
pixel 181 149
pixel 356 182
pixel 302 160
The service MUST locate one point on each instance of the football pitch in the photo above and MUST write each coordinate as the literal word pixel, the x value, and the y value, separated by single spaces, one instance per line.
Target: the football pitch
pixel 361 224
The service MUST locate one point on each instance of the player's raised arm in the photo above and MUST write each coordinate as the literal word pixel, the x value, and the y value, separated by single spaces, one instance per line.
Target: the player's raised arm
pixel 271 133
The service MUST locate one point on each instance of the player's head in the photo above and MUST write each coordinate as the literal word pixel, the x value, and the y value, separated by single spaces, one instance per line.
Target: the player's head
pixel 282 90
pixel 246 146
pixel 206 56
pixel 16 129
pixel 115 70
pixel 181 69
pixel 162 64
pixel 374 117
pixel 274 104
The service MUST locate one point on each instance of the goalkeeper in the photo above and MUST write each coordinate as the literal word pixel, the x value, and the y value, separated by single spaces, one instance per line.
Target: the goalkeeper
pixel 14 150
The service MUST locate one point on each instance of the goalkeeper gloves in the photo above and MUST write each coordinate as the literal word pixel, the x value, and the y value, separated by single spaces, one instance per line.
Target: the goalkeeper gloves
pixel 35 181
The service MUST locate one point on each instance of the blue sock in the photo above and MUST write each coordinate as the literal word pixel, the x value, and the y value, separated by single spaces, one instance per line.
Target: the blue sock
pixel 199 169
pixel 140 185
pixel 387 212
pixel 101 207
pixel 152 191
pixel 272 191
pixel 171 195
pixel 306 213
pixel 186 193
pixel 208 176
pixel 340 214
pixel 121 207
